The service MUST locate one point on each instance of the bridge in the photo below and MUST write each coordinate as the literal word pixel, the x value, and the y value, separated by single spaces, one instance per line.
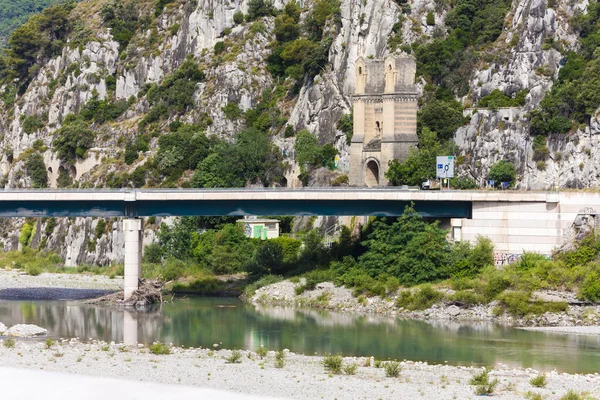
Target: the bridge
pixel 515 221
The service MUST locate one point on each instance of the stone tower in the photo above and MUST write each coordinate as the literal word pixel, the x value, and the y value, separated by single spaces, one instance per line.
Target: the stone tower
pixel 385 117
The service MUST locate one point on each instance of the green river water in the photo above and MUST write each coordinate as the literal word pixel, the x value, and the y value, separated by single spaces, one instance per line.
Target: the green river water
pixel 234 324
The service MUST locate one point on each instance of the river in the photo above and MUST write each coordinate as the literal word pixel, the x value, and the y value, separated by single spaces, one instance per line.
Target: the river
pixel 231 323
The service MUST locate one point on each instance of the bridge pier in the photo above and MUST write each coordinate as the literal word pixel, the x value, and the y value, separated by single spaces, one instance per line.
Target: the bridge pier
pixel 132 227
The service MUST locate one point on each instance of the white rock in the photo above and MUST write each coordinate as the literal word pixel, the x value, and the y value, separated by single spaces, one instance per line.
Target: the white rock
pixel 453 310
pixel 3 328
pixel 26 330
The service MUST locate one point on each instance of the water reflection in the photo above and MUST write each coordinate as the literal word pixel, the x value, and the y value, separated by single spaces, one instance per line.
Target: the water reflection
pixel 233 324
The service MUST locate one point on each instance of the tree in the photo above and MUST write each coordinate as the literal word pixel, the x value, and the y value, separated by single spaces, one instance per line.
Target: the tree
pixel 259 8
pixel 36 169
pixel 73 139
pixel 409 249
pixel 267 259
pixel 420 163
pixel 503 171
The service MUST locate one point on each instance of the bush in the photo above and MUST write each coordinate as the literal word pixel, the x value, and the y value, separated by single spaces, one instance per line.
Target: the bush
pixel 232 111
pixel 34 270
pixel 420 299
pixel 259 8
pixel 467 298
pixel 173 269
pixel 25 234
pixel 219 48
pixel 234 358
pixel 518 304
pixel 238 17
pixel 482 383
pixel 590 289
pixel 9 343
pixel 538 381
pixel 503 171
pixel 350 369
pixel 430 19
pixel 333 364
pixel 153 253
pixel 36 169
pixel 72 140
pixel 159 349
pixel 392 369
pixel 280 359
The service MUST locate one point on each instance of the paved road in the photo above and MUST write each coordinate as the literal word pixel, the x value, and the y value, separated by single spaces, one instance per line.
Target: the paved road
pixel 23 384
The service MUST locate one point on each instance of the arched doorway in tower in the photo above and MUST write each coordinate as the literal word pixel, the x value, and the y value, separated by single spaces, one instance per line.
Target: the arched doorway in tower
pixel 372 174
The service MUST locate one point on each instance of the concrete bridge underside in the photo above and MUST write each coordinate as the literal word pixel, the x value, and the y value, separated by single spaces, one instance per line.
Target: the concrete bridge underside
pixel 515 221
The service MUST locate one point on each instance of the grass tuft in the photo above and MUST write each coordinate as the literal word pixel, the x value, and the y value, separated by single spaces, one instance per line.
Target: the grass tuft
pixel 159 348
pixel 9 343
pixel 234 358
pixel 333 364
pixel 538 381
pixel 280 359
pixel 392 369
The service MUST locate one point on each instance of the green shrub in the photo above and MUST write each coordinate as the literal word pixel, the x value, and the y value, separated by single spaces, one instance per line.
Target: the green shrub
pixel 430 19
pixel 25 234
pixel 482 383
pixel 49 343
pixel 232 111
pixel 503 171
pixel 152 253
pixel 173 269
pixel 219 48
pixel 467 298
pixel 9 343
pixel 259 8
pixel 234 358
pixel 31 124
pixel 33 270
pixel 573 395
pixel 72 140
pixel 280 359
pixel 496 284
pixel 518 304
pixel 419 299
pixel 538 381
pixel 350 369
pixel 36 169
pixel 159 349
pixel 238 17
pixel 392 369
pixel 261 352
pixel 332 364
pixel 590 289
pixel 100 228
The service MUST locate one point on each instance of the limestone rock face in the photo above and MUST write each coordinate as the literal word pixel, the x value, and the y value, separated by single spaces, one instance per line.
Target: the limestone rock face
pixel 64 84
pixel 26 331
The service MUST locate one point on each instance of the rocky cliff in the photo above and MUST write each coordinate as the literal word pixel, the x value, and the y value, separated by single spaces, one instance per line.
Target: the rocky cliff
pixel 98 63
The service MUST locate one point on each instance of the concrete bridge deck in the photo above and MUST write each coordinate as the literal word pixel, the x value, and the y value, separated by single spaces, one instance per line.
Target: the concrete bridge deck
pixel 389 201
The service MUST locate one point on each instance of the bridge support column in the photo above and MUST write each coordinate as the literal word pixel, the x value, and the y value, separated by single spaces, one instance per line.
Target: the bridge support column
pixel 132 228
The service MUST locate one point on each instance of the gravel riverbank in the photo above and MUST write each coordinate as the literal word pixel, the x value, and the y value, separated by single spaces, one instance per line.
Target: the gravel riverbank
pixel 16 285
pixel 328 296
pixel 302 377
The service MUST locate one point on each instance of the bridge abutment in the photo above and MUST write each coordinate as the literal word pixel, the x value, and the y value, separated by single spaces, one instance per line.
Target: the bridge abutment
pixel 132 228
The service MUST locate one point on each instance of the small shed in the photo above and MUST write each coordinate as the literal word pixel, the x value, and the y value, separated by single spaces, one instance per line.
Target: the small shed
pixel 260 228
